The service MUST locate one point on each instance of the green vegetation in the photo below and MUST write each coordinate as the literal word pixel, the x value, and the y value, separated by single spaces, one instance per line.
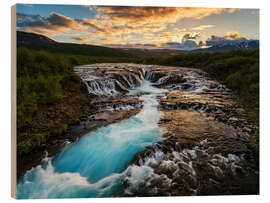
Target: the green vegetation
pixel 37 140
pixel 42 76
pixel 39 76
pixel 76 49
pixel 45 81
pixel 238 70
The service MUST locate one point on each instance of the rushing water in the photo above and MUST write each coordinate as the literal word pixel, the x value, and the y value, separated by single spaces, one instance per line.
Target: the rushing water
pixel 97 164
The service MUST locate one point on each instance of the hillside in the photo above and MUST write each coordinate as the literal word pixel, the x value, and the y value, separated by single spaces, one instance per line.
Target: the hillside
pixel 40 42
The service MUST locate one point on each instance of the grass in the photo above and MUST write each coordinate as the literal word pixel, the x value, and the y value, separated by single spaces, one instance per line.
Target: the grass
pixel 45 80
pixel 238 70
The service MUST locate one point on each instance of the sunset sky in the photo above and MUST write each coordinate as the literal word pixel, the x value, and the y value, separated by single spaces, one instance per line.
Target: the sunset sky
pixel 147 27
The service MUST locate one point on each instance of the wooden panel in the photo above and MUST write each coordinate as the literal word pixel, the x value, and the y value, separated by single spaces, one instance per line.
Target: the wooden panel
pixel 13 102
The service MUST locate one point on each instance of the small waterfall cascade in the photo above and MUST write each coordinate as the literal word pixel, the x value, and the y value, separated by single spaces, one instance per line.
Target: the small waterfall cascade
pixel 108 87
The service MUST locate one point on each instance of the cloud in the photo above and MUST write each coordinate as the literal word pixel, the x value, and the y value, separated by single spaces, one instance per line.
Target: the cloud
pixel 145 19
pixel 90 7
pixel 169 37
pixel 83 39
pixel 203 27
pixel 133 45
pixel 116 24
pixel 185 45
pixel 178 37
pixel 234 36
pixel 181 41
pixel 28 17
pixel 92 23
pixel 61 20
pixel 57 24
pixel 118 30
pixel 229 37
pixel 190 35
pixel 51 26
pixel 135 15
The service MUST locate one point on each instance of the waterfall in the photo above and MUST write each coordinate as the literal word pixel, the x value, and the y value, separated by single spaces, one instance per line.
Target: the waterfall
pixel 149 76
pixel 138 80
pixel 119 86
pixel 127 81
pixel 162 80
pixel 142 71
pixel 140 75
pixel 107 87
pixel 101 84
pixel 96 165
pixel 132 80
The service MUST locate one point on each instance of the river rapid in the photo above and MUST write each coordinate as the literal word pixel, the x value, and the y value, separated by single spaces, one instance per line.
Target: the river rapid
pixel 187 135
pixel 97 165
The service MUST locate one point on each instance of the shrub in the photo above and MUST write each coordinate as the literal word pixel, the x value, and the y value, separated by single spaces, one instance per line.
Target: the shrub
pixel 24 147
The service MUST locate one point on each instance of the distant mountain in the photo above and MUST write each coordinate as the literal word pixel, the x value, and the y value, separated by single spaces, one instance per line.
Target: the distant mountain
pixel 41 42
pixel 153 52
pixel 228 45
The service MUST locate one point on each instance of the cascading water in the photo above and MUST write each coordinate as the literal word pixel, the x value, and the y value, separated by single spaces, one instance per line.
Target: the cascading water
pixel 149 75
pixel 96 165
pixel 108 87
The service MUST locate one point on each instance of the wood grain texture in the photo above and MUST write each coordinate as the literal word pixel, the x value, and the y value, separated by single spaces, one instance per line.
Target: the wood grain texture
pixel 13 102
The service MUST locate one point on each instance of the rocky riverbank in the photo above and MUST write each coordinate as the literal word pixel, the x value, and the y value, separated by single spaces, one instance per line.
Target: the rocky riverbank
pixel 206 149
pixel 86 107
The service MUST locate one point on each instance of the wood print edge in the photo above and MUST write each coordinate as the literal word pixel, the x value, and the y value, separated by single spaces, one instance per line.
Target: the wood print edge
pixel 13 103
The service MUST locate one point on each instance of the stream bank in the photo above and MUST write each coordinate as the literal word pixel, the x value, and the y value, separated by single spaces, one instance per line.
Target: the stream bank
pixel 204 148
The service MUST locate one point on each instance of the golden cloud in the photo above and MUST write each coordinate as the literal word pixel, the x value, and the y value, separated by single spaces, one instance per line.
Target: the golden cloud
pixel 83 39
pixel 125 15
pixel 178 37
pixel 234 35
pixel 203 27
pixel 118 23
pixel 53 25
pixel 126 19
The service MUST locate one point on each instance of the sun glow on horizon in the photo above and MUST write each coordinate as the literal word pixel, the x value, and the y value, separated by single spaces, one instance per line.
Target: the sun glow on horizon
pixel 148 27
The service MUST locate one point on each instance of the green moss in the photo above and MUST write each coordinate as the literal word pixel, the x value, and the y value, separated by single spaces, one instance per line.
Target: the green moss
pixel 24 147
pixel 43 76
pixel 85 110
pixel 238 69
pixel 254 141
pixel 65 127
pixel 75 122
pixel 254 117
pixel 60 131
pixel 39 139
